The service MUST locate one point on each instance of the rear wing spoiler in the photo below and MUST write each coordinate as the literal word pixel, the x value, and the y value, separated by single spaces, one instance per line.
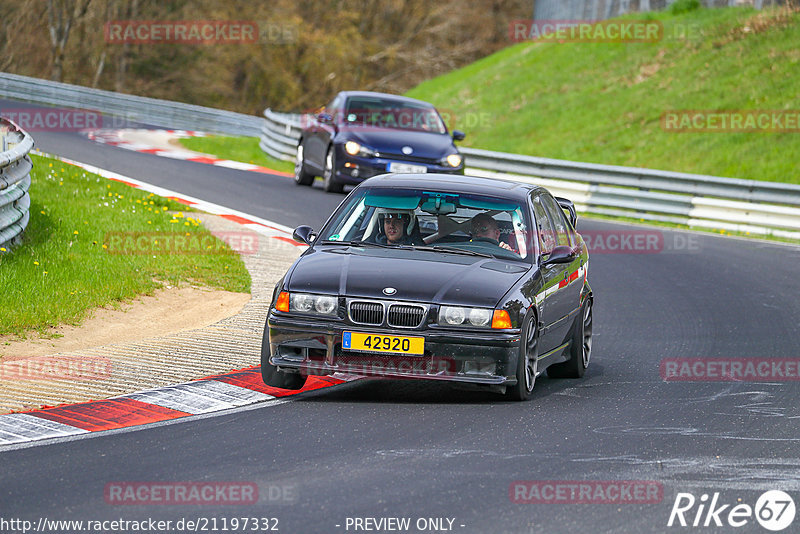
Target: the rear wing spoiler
pixel 567 205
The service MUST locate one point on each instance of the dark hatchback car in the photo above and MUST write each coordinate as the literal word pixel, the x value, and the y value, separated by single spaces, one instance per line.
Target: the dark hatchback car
pixel 361 134
pixel 436 277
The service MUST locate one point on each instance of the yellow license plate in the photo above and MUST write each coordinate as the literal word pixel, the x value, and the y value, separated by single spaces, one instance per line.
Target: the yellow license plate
pixel 381 343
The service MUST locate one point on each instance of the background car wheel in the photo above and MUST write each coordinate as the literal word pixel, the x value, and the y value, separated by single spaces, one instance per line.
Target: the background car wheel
pixel 301 177
pixel 580 350
pixel 330 184
pixel 527 362
pixel 270 374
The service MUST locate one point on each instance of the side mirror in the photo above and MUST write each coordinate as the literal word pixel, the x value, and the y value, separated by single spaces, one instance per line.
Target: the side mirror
pixel 324 118
pixel 561 254
pixel 304 234
pixel 458 135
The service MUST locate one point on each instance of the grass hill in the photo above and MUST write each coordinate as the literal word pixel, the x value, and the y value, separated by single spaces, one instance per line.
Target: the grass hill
pixel 603 103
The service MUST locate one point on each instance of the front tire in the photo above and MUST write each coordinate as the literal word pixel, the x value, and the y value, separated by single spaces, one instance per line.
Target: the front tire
pixel 270 374
pixel 527 361
pixel 330 184
pixel 580 349
pixel 301 177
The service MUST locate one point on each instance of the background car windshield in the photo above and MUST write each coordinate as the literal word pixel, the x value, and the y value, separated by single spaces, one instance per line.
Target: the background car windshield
pixel 434 218
pixel 395 114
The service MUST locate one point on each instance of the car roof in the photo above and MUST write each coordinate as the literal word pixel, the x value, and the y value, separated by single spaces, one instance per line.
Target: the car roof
pixel 349 94
pixel 453 183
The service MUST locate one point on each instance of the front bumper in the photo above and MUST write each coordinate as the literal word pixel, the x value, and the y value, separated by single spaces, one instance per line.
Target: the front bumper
pixel 356 169
pixel 315 348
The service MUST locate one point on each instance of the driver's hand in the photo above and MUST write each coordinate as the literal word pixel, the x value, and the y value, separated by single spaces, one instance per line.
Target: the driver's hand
pixel 505 246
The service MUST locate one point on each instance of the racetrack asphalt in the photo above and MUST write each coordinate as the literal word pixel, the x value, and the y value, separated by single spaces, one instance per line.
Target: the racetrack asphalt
pixel 379 449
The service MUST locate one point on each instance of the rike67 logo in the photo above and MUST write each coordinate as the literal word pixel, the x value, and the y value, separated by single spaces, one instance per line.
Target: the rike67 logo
pixel 774 510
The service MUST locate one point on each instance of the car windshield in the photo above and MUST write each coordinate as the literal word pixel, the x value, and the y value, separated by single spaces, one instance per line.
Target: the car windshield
pixel 374 112
pixel 450 223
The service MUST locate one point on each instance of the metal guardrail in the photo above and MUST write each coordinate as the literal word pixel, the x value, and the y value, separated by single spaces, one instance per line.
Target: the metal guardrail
pixel 133 109
pixel 15 181
pixel 732 204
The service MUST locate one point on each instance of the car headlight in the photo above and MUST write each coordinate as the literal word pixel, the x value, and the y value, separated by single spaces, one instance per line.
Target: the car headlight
pixel 356 149
pixel 308 303
pixel 458 316
pixel 454 160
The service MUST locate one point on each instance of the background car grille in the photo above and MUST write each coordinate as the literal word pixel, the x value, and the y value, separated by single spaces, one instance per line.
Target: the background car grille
pixel 366 312
pixel 405 315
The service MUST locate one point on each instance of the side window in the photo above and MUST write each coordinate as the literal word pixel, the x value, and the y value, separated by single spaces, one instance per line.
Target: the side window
pixel 335 107
pixel 563 231
pixel 544 228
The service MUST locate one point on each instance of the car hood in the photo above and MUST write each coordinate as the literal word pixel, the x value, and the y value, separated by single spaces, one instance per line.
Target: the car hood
pixel 417 276
pixel 388 141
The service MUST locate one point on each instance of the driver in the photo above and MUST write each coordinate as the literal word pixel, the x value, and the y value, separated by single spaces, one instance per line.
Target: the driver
pixel 394 228
pixel 485 228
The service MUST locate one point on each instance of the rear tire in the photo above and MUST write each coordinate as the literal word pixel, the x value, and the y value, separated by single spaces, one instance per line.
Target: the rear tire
pixel 330 184
pixel 301 177
pixel 580 349
pixel 270 374
pixel 527 361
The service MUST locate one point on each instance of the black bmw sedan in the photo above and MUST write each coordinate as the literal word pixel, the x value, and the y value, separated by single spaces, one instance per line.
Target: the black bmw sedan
pixel 361 134
pixel 436 277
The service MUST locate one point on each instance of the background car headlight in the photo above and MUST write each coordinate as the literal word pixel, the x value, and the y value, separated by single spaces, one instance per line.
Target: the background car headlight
pixel 454 160
pixel 352 148
pixel 307 303
pixel 457 316
pixel 356 149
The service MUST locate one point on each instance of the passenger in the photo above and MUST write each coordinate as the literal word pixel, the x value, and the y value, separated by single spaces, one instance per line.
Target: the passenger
pixel 394 229
pixel 485 228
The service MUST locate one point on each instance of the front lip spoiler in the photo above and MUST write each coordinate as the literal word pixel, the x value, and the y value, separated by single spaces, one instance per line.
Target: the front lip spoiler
pixel 324 368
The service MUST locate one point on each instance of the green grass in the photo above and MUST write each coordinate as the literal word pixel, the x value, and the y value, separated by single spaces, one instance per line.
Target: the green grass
pixel 63 267
pixel 603 103
pixel 243 149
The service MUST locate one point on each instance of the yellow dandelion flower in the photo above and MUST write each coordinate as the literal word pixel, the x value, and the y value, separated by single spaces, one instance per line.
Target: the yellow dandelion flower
pixel 75 232
pixel 173 221
pixel 42 212
pixel 36 263
pixel 105 246
pixel 149 222
pixel 163 208
pixel 186 224
pixel 60 183
pixel 45 272
pixel 51 164
pixel 2 249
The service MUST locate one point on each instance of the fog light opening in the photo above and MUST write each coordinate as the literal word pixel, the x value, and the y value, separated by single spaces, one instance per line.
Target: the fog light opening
pixel 480 368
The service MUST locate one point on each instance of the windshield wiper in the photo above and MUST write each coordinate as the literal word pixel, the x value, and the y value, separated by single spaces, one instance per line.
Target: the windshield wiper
pixel 453 250
pixel 356 243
